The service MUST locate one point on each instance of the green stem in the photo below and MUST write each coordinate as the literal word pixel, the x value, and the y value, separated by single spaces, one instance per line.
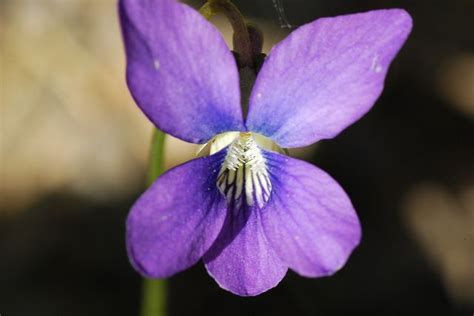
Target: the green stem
pixel 154 298
pixel 154 291
pixel 157 165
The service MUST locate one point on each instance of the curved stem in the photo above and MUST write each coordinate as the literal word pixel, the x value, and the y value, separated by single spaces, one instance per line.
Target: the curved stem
pixel 206 11
pixel 241 38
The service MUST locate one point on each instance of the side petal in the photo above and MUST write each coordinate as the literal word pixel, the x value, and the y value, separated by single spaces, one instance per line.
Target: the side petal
pixel 242 260
pixel 177 219
pixel 309 220
pixel 325 75
pixel 179 70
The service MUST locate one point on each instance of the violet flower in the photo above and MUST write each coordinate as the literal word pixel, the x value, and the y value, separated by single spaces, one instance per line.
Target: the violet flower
pixel 247 210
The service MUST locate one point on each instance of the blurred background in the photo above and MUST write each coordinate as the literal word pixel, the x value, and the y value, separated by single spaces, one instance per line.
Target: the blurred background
pixel 74 151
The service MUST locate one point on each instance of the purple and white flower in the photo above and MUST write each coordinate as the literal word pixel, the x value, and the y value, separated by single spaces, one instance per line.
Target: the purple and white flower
pixel 249 211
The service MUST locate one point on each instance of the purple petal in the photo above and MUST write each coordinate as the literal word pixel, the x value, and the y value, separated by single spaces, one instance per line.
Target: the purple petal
pixel 179 70
pixel 325 76
pixel 177 219
pixel 242 260
pixel 309 220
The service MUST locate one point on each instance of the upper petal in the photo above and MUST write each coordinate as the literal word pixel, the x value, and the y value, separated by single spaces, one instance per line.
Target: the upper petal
pixel 241 260
pixel 325 75
pixel 177 219
pixel 309 220
pixel 179 70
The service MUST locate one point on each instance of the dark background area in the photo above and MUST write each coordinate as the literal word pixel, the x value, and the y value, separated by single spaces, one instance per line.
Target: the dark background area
pixel 407 166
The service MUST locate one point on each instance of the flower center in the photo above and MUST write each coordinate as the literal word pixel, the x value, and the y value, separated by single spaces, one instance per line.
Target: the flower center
pixel 243 177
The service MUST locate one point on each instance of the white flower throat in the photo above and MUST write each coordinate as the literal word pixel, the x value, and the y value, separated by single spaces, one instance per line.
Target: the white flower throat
pixel 243 177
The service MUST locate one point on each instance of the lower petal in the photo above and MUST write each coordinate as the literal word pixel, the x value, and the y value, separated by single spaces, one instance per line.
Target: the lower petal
pixel 177 219
pixel 309 220
pixel 242 261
